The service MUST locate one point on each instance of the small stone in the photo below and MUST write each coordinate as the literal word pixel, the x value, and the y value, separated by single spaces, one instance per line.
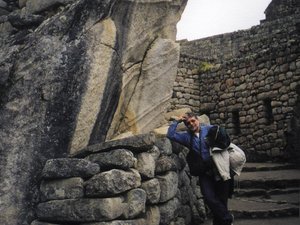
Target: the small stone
pixel 153 215
pixel 168 163
pixel 36 6
pixel 119 158
pixel 22 3
pixel 120 222
pixel 152 189
pixel 62 189
pixel 146 165
pixel 20 21
pixel 168 211
pixel 69 167
pixel 168 185
pixel 36 222
pixel 138 143
pixel 164 145
pixel 112 182
pixel 136 203
pixel 81 210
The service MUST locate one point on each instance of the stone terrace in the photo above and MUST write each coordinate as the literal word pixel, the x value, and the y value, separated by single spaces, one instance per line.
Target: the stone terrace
pixel 141 180
pixel 249 82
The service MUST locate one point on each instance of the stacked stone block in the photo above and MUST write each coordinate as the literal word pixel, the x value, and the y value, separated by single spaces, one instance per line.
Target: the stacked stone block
pixel 135 181
pixel 246 81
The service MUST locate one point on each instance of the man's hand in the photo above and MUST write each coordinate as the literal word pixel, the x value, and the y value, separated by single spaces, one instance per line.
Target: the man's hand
pixel 182 118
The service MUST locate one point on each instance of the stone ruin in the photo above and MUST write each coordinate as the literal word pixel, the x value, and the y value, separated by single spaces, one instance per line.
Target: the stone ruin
pixel 75 75
pixel 249 82
pixel 134 181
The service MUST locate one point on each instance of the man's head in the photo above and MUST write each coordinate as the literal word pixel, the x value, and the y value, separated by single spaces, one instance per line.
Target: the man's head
pixel 191 122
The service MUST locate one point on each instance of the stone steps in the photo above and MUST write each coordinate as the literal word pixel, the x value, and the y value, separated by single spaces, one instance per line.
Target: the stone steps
pixel 269 221
pixel 266 190
pixel 266 193
pixel 254 208
pixel 263 192
pixel 269 179
pixel 253 167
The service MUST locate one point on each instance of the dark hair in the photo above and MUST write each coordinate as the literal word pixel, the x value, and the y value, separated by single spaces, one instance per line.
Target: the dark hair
pixel 190 114
pixel 218 137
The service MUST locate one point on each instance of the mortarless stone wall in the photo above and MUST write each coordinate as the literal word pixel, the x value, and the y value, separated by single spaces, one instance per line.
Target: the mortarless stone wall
pixel 141 180
pixel 247 82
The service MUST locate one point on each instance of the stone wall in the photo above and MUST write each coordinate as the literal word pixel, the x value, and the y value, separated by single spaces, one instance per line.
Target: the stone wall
pixel 141 180
pixel 245 81
pixel 75 73
pixel 278 9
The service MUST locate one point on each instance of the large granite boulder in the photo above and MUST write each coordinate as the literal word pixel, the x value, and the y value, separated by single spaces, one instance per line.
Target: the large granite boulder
pixel 76 73
pixel 149 61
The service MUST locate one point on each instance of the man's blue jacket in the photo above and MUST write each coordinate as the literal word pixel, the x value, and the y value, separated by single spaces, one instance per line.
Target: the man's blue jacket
pixel 198 143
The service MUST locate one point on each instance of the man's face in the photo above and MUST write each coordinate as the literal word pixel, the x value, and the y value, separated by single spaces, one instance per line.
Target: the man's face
pixel 192 124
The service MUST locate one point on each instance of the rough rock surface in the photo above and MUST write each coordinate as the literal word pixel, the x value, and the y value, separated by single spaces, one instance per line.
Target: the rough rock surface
pixel 119 158
pixel 170 197
pixel 168 211
pixel 152 189
pixel 168 186
pixel 146 165
pixel 155 77
pixel 248 81
pixel 36 222
pixel 79 210
pixel 112 182
pixel 36 6
pixel 66 69
pixel 62 189
pixel 120 222
pixel 66 167
pixel 136 201
pixel 167 163
pixel 136 143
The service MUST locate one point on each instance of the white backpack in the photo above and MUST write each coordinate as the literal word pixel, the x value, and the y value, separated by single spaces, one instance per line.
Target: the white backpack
pixel 237 158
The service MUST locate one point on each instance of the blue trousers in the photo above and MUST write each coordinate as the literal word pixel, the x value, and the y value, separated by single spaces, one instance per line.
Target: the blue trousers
pixel 215 194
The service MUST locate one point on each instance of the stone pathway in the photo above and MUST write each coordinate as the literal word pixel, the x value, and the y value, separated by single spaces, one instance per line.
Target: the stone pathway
pixel 266 194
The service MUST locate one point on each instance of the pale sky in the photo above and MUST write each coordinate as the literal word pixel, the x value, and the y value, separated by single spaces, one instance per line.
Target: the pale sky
pixel 204 18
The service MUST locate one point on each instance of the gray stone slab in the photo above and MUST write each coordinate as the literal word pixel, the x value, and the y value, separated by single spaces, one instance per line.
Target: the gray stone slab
pixel 267 166
pixel 69 188
pixel 68 167
pixel 112 182
pixel 80 210
pixel 277 221
pixel 168 186
pixel 251 208
pixel 120 222
pixel 36 222
pixel 138 143
pixel 270 179
pixel 118 158
pixel 293 174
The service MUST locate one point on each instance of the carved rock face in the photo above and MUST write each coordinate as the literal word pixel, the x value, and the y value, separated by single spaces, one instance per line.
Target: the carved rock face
pixel 90 70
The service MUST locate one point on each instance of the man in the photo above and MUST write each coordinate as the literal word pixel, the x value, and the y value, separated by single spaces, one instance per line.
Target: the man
pixel 215 191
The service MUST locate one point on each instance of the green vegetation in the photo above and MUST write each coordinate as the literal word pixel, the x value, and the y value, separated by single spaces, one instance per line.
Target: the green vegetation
pixel 205 66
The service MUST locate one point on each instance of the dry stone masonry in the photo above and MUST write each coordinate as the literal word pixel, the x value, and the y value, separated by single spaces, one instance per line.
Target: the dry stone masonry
pixel 74 73
pixel 248 81
pixel 141 180
pixel 77 75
